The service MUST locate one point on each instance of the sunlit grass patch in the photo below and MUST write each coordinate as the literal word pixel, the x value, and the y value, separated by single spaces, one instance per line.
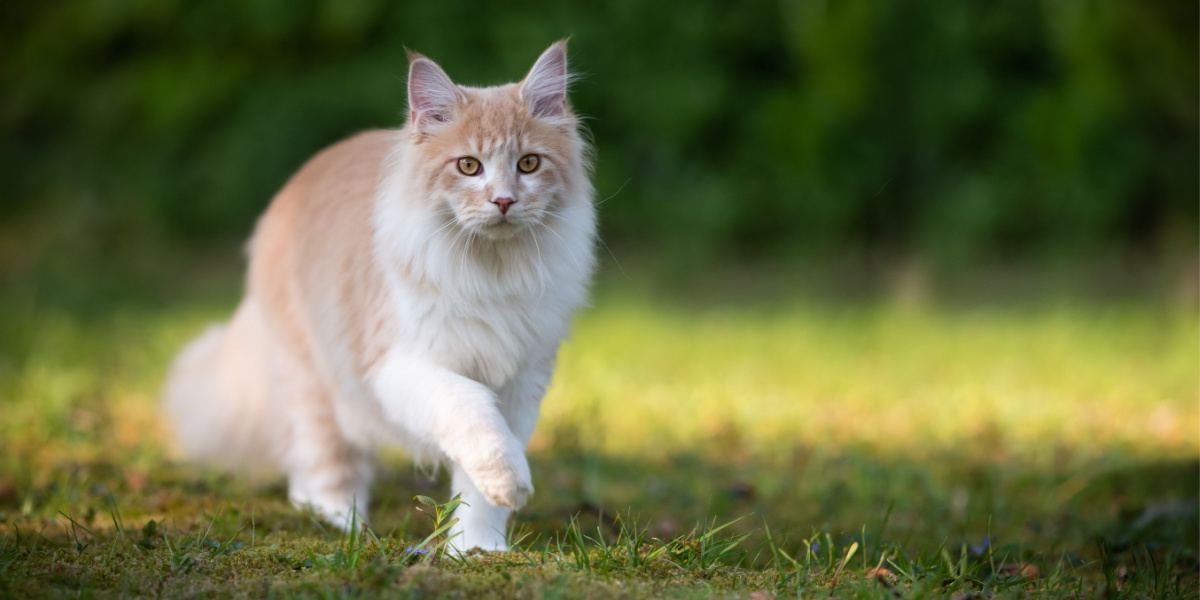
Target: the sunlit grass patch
pixel 649 378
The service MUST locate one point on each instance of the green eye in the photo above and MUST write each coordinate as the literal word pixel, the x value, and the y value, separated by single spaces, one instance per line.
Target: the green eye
pixel 468 166
pixel 528 163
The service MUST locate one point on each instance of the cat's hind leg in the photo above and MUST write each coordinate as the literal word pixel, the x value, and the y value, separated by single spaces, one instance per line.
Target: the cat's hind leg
pixel 326 473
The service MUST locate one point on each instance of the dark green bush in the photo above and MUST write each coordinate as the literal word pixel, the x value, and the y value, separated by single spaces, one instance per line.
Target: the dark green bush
pixel 954 130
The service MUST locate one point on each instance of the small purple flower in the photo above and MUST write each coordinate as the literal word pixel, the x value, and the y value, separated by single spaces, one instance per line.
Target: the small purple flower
pixel 981 547
pixel 417 551
pixel 816 547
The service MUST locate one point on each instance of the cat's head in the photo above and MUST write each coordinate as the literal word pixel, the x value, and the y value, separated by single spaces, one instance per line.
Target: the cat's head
pixel 501 160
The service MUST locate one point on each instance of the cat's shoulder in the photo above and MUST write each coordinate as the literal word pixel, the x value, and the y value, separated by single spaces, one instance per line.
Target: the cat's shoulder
pixel 359 159
pixel 337 184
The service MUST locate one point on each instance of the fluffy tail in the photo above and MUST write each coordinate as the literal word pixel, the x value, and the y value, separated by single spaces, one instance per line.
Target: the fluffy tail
pixel 216 397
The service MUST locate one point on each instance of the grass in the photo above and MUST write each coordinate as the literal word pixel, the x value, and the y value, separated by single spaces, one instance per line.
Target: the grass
pixel 786 445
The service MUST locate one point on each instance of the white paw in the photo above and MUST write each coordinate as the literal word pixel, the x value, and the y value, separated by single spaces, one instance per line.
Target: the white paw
pixel 502 477
pixel 462 542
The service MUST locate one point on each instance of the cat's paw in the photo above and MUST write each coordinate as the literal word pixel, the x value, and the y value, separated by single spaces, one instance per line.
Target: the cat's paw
pixel 502 477
pixel 468 543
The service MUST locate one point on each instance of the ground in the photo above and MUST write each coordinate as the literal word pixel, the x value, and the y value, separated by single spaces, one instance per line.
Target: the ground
pixel 757 444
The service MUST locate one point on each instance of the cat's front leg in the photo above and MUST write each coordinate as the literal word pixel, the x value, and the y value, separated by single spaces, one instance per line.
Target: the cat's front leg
pixel 481 524
pixel 461 418
pixel 478 523
pixel 521 398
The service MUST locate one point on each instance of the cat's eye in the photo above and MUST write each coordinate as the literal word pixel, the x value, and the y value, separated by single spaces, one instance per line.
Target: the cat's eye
pixel 468 166
pixel 529 163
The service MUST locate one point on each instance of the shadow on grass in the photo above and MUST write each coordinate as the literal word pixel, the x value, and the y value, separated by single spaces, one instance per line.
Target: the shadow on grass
pixel 1084 510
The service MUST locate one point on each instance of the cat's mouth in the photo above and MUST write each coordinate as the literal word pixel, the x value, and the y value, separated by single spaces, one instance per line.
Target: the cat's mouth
pixel 501 228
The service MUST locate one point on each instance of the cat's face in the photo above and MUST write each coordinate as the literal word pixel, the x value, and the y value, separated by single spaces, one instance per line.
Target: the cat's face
pixel 500 160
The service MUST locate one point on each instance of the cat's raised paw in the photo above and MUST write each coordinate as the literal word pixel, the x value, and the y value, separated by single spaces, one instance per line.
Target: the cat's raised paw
pixel 503 481
pixel 509 494
pixel 506 487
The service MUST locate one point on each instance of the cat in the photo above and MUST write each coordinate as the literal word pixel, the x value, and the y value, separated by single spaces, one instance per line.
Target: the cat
pixel 406 287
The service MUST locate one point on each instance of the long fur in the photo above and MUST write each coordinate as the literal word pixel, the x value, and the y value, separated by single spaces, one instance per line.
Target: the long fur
pixel 389 302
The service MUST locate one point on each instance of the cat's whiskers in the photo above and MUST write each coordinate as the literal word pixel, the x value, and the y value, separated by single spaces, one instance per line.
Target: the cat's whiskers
pixel 465 236
pixel 449 222
pixel 541 267
pixel 566 247
pixel 616 261
pixel 614 194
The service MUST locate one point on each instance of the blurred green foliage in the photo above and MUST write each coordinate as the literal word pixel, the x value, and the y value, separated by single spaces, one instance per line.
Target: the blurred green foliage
pixel 955 131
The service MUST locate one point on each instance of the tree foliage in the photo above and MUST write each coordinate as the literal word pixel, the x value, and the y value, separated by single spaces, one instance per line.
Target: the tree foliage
pixel 946 128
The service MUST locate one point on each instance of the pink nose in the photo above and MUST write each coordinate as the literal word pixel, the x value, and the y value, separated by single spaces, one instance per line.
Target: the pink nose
pixel 503 203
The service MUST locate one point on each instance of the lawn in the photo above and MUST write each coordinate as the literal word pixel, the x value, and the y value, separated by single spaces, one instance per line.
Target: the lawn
pixel 692 445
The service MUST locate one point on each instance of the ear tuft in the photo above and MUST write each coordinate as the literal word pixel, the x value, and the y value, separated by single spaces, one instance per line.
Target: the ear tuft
pixel 545 87
pixel 432 96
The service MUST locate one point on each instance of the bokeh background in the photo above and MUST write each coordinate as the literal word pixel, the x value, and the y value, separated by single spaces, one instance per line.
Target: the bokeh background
pixel 951 133
pixel 925 264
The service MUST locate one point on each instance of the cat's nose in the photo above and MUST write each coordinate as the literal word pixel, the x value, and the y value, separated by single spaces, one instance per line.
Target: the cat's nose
pixel 503 202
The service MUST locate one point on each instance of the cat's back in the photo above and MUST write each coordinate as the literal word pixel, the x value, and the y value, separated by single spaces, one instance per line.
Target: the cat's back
pixel 331 194
pixel 312 250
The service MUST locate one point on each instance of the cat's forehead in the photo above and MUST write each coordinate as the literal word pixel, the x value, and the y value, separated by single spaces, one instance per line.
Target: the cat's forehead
pixel 494 118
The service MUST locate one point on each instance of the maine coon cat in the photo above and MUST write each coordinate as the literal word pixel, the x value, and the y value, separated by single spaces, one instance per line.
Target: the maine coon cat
pixel 406 287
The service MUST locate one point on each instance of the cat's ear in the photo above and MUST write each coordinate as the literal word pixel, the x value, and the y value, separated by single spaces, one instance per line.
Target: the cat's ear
pixel 432 96
pixel 545 87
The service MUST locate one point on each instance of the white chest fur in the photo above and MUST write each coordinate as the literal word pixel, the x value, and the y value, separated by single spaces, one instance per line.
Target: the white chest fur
pixel 486 339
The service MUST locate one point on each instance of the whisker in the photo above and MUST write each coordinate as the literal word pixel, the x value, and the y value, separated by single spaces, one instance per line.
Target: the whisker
pixel 614 257
pixel 462 258
pixel 459 236
pixel 614 194
pixel 429 237
pixel 541 269
pixel 566 246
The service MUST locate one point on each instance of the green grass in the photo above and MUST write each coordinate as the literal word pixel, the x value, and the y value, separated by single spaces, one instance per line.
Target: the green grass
pixel 790 445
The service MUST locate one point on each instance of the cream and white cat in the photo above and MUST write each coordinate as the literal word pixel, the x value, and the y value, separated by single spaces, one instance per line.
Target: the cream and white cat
pixel 406 287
